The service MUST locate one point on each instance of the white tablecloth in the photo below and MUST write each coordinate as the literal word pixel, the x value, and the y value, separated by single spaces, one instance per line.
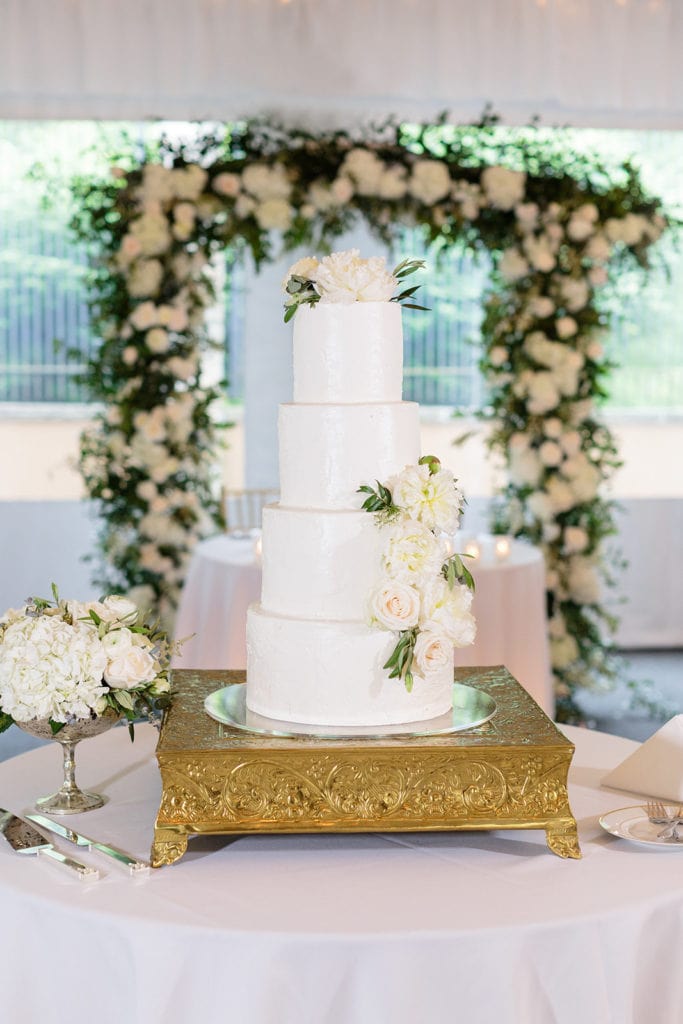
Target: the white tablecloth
pixel 509 605
pixel 484 928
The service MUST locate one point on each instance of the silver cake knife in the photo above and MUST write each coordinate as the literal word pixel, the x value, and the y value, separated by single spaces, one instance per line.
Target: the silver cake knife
pixel 136 867
pixel 24 838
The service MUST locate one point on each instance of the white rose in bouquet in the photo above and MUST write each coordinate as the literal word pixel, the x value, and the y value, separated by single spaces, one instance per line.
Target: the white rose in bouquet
pixel 504 188
pixel 429 181
pixel 432 498
pixel 412 552
pixel 130 668
pixel 120 609
pixel 447 610
pixel 395 605
pixel 432 654
pixel 116 641
pixel 344 277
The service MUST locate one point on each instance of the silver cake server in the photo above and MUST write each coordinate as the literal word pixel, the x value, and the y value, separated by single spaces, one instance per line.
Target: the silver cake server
pixel 136 867
pixel 24 838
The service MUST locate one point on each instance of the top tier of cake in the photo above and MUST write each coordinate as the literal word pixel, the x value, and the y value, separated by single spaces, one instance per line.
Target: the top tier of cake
pixel 348 354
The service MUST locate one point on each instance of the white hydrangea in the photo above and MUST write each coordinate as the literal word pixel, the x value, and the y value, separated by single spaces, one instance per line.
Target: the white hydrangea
pixel 50 669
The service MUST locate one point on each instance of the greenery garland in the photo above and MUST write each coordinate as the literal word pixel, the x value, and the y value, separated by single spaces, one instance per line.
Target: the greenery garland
pixel 554 222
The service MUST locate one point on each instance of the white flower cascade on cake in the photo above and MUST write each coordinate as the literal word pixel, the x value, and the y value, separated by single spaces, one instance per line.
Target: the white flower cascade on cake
pixel 425 596
pixel 66 660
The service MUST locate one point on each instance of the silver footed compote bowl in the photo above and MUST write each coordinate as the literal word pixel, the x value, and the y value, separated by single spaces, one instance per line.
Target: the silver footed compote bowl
pixel 69 799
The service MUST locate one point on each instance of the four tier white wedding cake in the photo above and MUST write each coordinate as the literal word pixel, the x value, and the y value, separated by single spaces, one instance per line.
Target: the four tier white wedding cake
pixel 361 603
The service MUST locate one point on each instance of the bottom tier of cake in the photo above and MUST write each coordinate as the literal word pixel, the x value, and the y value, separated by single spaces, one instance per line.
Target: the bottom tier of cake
pixel 319 672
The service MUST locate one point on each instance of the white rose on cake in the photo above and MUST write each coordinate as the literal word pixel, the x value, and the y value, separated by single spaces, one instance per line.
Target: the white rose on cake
pixel 344 277
pixel 395 605
pixel 433 498
pixel 433 653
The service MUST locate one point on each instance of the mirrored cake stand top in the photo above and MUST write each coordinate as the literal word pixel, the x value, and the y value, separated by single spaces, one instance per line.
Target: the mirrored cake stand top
pixel 471 708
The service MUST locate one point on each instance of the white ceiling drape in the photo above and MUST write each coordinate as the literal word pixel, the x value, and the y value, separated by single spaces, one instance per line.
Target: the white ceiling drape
pixel 585 62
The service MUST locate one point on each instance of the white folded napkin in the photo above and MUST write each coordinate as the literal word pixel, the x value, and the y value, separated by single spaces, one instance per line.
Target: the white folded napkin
pixel 656 767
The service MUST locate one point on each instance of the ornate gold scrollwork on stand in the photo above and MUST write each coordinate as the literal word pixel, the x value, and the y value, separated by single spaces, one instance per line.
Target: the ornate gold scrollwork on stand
pixel 509 773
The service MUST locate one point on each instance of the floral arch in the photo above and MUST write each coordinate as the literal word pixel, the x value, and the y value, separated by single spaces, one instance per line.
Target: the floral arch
pixel 555 223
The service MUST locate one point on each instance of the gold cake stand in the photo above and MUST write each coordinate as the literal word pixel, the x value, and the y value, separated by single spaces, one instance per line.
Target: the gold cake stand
pixel 509 773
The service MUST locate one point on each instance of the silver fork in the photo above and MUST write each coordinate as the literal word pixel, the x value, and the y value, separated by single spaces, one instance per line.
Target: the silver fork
pixel 657 812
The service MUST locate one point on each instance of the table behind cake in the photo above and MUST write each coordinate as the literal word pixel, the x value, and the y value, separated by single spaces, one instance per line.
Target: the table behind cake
pixel 353 929
pixel 509 605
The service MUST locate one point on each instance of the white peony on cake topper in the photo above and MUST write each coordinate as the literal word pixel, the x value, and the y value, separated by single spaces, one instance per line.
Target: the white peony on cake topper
pixel 345 277
pixel 425 595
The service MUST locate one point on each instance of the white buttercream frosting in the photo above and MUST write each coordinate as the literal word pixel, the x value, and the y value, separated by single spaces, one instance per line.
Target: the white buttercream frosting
pixel 348 353
pixel 328 451
pixel 330 673
pixel 319 565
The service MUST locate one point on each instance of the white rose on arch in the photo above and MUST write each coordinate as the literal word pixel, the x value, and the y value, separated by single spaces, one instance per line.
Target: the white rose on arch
pixel 430 181
pixel 504 188
pixel 512 266
pixel 274 214
pixel 365 170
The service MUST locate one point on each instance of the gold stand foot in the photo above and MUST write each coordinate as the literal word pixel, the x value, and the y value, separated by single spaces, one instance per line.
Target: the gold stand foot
pixel 168 846
pixel 563 839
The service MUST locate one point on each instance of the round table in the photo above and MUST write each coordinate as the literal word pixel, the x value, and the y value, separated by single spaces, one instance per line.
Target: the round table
pixel 509 605
pixel 348 929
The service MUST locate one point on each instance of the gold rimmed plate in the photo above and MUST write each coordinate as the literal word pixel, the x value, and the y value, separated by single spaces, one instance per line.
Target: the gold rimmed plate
pixel 470 709
pixel 633 824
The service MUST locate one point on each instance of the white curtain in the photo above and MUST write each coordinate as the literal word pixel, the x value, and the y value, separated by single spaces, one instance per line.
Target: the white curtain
pixel 586 62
